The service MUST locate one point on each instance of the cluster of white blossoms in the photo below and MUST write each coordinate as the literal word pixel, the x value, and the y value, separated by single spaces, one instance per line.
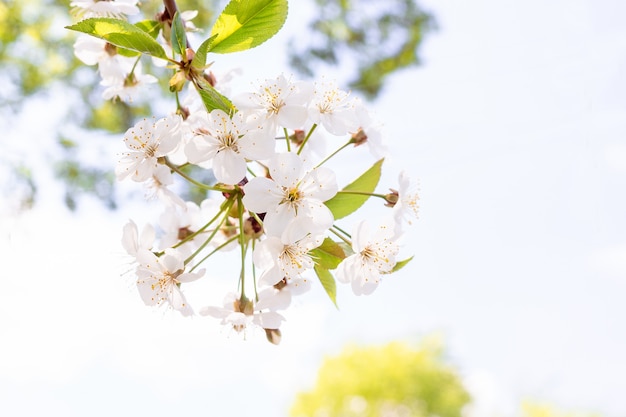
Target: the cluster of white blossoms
pixel 274 198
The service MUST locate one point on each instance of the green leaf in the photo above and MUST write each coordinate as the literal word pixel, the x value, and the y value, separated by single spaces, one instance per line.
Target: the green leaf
pixel 211 98
pixel 401 264
pixel 344 204
pixel 328 255
pixel 328 282
pixel 179 37
pixel 120 33
pixel 151 27
pixel 245 24
pixel 199 60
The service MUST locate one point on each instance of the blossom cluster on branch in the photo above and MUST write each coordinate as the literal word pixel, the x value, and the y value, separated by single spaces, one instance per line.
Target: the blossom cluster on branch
pixel 275 197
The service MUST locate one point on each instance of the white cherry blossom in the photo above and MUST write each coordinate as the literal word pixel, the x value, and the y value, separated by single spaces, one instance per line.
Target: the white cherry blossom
pixel 279 103
pixel 242 314
pixel 406 209
pixel 148 140
pixel 373 255
pixel 333 109
pixel 157 187
pixel 126 88
pixel 369 132
pixel 159 279
pixel 134 242
pixel 228 142
pixel 287 256
pixel 293 191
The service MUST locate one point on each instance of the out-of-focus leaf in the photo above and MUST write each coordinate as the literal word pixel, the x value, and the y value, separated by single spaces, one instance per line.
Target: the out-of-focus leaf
pixel 245 24
pixel 120 33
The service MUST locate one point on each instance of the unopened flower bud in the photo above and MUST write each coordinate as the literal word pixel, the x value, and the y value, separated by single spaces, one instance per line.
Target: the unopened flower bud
pixel 177 82
pixel 273 336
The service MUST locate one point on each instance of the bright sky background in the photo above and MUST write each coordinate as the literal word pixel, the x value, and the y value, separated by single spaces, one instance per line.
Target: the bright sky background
pixel 515 126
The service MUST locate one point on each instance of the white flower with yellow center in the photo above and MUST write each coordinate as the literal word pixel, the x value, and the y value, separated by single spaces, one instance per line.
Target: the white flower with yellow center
pixel 373 255
pixel 333 109
pixel 287 256
pixel 293 191
pixel 228 142
pixel 159 279
pixel 148 141
pixel 279 103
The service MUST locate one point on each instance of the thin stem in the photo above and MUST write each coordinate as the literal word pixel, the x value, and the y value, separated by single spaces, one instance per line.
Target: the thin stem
pixel 287 139
pixel 193 181
pixel 336 228
pixel 351 141
pixel 242 244
pixel 214 232
pixel 256 294
pixel 306 139
pixel 383 196
pixel 217 249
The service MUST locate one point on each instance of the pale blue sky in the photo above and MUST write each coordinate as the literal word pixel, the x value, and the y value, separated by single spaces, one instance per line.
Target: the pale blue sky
pixel 515 126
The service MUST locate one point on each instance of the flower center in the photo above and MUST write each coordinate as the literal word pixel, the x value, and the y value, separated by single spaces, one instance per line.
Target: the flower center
pixel 229 141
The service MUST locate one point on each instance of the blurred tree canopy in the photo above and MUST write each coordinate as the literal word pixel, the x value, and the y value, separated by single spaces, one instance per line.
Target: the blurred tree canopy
pixel 396 379
pixel 369 39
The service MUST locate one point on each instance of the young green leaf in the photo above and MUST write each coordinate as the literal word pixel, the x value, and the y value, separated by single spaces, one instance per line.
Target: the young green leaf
pixel 211 98
pixel 245 24
pixel 328 282
pixel 178 35
pixel 401 264
pixel 199 60
pixel 120 33
pixel 328 255
pixel 151 27
pixel 344 204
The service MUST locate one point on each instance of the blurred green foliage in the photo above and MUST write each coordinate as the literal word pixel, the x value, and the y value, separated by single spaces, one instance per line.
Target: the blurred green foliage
pixel 398 379
pixel 36 55
pixel 394 379
pixel 372 38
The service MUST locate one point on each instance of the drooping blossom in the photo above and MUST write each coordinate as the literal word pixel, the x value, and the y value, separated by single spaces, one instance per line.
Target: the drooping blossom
pixel 240 314
pixel 159 279
pixel 126 88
